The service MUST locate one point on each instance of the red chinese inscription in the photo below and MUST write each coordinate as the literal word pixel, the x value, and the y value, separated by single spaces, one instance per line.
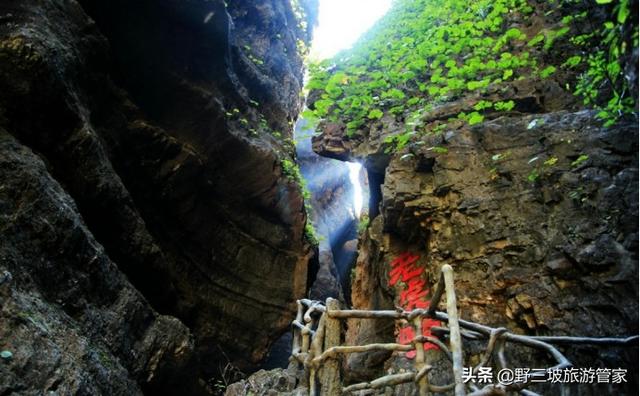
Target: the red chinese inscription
pixel 414 295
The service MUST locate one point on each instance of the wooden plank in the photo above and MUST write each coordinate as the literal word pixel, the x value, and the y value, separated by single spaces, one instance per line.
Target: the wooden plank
pixel 330 370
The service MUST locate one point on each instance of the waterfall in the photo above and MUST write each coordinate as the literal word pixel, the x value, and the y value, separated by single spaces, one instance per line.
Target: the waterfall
pixel 336 204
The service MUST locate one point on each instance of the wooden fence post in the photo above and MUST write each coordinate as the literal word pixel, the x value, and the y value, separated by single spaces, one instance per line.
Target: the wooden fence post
pixel 295 347
pixel 315 351
pixel 330 372
pixel 455 338
pixel 420 359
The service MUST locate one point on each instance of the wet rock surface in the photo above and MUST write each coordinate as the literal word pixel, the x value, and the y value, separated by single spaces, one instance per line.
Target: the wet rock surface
pixel 145 213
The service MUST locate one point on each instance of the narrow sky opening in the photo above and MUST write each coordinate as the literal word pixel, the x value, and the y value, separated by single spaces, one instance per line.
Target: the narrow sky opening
pixel 342 22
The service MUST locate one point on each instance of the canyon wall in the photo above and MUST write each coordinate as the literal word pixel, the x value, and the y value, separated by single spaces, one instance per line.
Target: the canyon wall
pixel 150 231
pixel 535 206
pixel 557 256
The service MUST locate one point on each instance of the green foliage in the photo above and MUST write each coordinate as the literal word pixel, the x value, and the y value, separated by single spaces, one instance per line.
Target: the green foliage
pixel 541 170
pixel 375 114
pixel 300 13
pixel 603 84
pixel 310 233
pixel 504 106
pixel 582 158
pixel 291 170
pixel 422 51
pixel 572 62
pixel 549 70
pixel 252 57
pixel 475 118
pixel 396 143
pixel 436 51
pixel 551 161
pixel 483 104
pixel 363 224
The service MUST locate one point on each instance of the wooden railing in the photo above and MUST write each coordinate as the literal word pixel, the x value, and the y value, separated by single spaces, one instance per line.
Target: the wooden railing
pixel 316 346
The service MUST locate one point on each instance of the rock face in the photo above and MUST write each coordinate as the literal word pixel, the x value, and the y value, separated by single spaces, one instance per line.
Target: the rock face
pixel 72 321
pixel 534 206
pixel 538 215
pixel 267 383
pixel 149 233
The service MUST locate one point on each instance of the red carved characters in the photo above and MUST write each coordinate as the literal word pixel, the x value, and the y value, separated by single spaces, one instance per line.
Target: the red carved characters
pixel 414 296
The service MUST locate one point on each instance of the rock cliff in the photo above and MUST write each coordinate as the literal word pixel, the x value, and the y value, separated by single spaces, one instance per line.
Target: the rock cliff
pixel 150 233
pixel 555 256
pixel 535 206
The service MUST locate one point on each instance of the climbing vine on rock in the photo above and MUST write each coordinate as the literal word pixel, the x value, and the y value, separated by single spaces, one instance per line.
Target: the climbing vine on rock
pixel 292 171
pixel 422 52
pixel 606 50
pixel 425 53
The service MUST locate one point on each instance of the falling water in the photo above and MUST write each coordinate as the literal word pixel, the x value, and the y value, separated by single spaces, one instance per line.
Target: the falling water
pixel 336 202
pixel 337 198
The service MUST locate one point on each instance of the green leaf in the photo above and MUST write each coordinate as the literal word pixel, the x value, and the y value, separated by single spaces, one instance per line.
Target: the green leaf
pixel 483 104
pixel 537 39
pixel 505 106
pixel 549 70
pixel 582 158
pixel 308 113
pixel 572 62
pixel 623 11
pixel 375 114
pixel 413 101
pixel 475 118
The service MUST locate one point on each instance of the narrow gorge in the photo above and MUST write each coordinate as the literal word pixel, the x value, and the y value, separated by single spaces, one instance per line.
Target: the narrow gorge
pixel 177 176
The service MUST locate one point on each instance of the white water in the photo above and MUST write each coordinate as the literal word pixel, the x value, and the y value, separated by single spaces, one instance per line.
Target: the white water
pixel 354 176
